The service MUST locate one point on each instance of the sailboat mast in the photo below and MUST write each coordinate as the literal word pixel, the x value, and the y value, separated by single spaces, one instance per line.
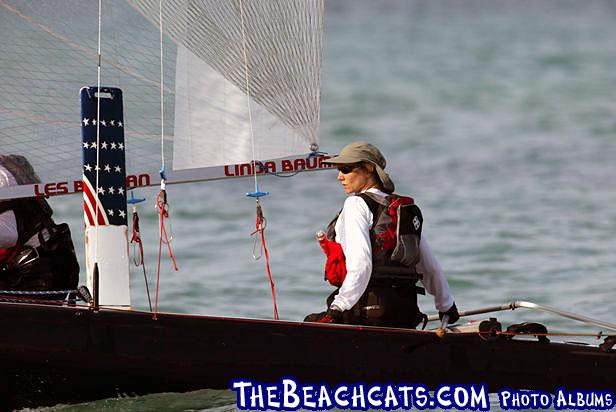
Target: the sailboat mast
pixel 104 198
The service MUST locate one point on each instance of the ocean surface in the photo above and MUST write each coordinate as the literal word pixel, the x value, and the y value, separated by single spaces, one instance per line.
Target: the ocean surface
pixel 498 117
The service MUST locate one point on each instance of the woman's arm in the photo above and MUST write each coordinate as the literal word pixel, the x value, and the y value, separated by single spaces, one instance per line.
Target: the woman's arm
pixel 433 277
pixel 353 233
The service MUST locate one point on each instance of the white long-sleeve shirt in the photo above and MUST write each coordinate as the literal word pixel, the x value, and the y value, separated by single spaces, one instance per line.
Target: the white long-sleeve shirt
pixel 8 230
pixel 8 223
pixel 353 233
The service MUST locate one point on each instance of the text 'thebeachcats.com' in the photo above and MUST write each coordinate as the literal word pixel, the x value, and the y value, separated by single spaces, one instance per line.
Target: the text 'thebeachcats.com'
pixel 290 395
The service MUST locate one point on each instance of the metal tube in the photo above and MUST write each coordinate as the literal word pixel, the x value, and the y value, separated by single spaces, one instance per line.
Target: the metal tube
pixel 564 314
pixel 534 306
pixel 95 287
pixel 488 309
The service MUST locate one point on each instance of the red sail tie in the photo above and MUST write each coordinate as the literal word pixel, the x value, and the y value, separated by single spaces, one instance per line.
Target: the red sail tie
pixel 260 227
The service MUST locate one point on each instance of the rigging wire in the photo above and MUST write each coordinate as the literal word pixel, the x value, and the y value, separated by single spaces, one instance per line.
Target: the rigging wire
pixel 597 335
pixel 162 88
pixel 161 200
pixel 98 127
pixel 257 194
pixel 245 54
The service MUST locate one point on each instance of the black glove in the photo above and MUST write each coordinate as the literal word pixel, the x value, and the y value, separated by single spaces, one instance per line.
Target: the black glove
pixel 331 316
pixel 454 316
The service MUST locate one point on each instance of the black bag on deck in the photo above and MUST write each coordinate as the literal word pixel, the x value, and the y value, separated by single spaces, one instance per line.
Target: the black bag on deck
pixel 50 266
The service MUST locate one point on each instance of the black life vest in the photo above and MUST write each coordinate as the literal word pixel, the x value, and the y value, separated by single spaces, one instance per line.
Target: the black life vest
pixel 31 214
pixel 395 235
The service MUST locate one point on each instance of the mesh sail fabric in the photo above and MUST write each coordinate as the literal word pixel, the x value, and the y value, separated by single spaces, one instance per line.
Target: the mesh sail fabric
pixel 48 51
pixel 283 43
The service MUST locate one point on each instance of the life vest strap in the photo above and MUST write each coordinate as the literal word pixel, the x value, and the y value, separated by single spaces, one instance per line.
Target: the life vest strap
pixel 395 271
pixel 396 280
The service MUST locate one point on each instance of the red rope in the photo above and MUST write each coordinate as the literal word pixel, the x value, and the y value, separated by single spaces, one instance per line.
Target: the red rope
pixel 136 238
pixel 161 203
pixel 261 229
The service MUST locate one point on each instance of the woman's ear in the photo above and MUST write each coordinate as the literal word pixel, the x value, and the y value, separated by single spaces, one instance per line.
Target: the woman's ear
pixel 369 167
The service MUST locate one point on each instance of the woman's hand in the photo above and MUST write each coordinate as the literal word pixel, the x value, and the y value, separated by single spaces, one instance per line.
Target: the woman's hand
pixel 330 316
pixel 452 312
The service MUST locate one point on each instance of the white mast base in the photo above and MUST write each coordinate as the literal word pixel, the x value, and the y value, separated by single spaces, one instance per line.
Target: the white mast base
pixel 113 264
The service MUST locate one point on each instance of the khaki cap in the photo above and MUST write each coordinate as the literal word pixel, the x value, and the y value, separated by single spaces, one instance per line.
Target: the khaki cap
pixel 365 152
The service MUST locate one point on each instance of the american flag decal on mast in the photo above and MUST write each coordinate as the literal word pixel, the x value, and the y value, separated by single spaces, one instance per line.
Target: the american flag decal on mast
pixel 104 193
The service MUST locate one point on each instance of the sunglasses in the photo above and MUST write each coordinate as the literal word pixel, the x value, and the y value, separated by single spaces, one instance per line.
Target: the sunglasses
pixel 345 170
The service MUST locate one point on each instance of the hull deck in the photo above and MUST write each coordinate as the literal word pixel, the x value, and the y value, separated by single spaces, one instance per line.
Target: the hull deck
pixel 52 354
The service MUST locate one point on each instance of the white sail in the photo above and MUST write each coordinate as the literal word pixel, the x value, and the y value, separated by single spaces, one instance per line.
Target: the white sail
pixel 48 52
pixel 212 123
pixel 269 51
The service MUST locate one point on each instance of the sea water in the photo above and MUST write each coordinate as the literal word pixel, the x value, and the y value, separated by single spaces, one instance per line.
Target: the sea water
pixel 498 117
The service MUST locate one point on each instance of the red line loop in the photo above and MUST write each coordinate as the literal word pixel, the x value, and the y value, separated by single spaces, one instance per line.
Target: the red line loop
pixel 136 240
pixel 260 225
pixel 163 209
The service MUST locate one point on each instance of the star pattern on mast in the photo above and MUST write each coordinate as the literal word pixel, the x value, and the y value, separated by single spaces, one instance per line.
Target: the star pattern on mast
pixel 103 122
pixel 103 152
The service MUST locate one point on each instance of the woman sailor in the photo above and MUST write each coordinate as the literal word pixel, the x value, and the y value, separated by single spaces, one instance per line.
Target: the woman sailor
pixel 376 288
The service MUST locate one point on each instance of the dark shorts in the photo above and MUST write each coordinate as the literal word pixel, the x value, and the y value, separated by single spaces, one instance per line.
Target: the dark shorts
pixel 384 303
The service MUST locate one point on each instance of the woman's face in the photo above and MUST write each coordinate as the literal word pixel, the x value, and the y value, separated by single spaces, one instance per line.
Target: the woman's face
pixel 357 178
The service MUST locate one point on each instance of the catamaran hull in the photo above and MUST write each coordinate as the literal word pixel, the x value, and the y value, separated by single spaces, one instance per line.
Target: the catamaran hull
pixel 52 354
